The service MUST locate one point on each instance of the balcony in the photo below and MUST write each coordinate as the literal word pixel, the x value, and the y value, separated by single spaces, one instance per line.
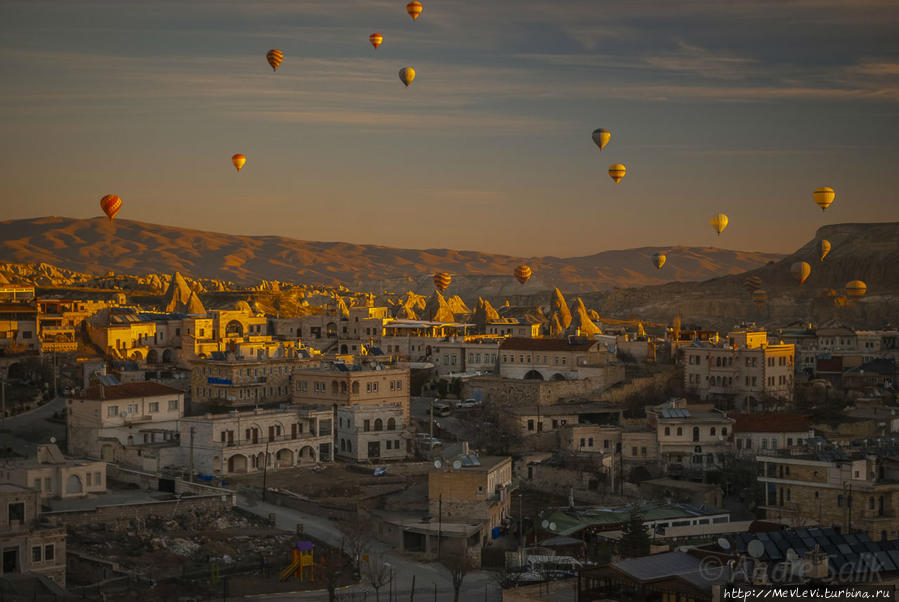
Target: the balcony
pixel 263 441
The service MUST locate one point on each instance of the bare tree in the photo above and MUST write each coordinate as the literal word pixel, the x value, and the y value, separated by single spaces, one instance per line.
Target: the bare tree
pixel 456 561
pixel 334 565
pixel 357 536
pixel 378 573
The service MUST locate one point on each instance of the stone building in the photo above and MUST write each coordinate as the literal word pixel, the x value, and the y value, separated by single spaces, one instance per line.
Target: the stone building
pixel 231 380
pixel 26 545
pixel 570 358
pixel 760 433
pixel 372 433
pixel 479 489
pixel 344 385
pixel 53 475
pixel 743 370
pixel 690 438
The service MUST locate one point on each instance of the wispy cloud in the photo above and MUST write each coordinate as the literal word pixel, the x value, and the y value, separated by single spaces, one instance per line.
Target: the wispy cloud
pixel 701 61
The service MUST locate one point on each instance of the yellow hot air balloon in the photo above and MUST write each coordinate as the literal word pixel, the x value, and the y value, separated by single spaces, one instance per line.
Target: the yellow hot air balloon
pixel 719 223
pixel 442 280
pixel 617 171
pixel 856 288
pixel 274 58
pixel 753 283
pixel 658 260
pixel 376 39
pixel 238 160
pixel 800 271
pixel 823 248
pixel 522 273
pixel 110 204
pixel 759 297
pixel 824 196
pixel 407 74
pixel 414 9
pixel 601 137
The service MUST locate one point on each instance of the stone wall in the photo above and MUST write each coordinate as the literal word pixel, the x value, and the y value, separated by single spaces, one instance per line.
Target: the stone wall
pixel 532 392
pixel 619 393
pixel 111 515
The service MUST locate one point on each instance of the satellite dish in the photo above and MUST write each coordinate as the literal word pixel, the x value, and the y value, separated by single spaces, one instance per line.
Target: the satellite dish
pixel 792 556
pixel 552 526
pixel 52 439
pixel 756 548
pixel 457 464
pixel 723 543
pixel 438 463
pixel 544 524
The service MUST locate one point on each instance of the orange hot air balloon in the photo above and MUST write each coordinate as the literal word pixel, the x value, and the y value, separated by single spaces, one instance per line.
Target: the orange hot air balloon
pixel 238 160
pixel 856 288
pixel 522 273
pixel 274 58
pixel 759 297
pixel 617 171
pixel 442 280
pixel 110 204
pixel 800 271
pixel 376 39
pixel 414 9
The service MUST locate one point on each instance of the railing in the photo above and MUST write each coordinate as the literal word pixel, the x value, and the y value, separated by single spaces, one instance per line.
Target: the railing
pixel 267 440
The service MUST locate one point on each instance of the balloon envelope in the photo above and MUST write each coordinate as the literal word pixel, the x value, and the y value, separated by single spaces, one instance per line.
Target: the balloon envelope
pixel 658 260
pixel 824 196
pixel 414 9
pixel 823 248
pixel 753 283
pixel 719 222
pixel 800 271
pixel 601 137
pixel 759 297
pixel 238 160
pixel 407 74
pixel 856 288
pixel 522 273
pixel 110 204
pixel 617 171
pixel 375 39
pixel 442 280
pixel 274 58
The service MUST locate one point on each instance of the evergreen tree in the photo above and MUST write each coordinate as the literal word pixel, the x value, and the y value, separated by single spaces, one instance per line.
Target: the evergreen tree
pixel 635 541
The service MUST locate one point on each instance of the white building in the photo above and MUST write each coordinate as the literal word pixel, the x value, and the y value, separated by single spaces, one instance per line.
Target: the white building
pixel 756 434
pixel 570 358
pixel 53 475
pixel 690 438
pixel 374 433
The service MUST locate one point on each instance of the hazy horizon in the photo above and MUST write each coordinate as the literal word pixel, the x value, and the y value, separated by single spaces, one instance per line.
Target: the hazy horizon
pixel 743 108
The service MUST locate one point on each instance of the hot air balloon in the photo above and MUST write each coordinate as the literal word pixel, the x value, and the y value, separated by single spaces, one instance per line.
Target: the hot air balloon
pixel 110 204
pixel 823 248
pixel 617 171
pixel 824 197
pixel 759 297
pixel 238 160
pixel 274 58
pixel 601 137
pixel 800 271
pixel 522 273
pixel 856 288
pixel 407 74
pixel 442 280
pixel 414 9
pixel 719 223
pixel 658 260
pixel 753 283
pixel 376 39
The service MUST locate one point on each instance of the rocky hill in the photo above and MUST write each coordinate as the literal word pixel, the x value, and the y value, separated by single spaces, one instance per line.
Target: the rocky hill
pixel 98 246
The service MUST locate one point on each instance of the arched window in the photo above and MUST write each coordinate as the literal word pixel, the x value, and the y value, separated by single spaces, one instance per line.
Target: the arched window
pixel 391 424
pixel 712 431
pixel 342 445
pixel 349 446
pixel 724 431
pixel 667 430
pixel 356 388
pixel 334 387
pixel 343 387
pixel 680 431
pixel 379 426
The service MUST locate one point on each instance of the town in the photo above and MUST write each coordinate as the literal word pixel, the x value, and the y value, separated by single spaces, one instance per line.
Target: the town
pixel 154 449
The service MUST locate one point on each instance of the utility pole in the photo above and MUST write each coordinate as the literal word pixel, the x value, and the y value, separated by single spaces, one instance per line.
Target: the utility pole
pixel 439 524
pixel 521 519
pixel 431 440
pixel 3 399
pixel 412 593
pixel 264 471
pixel 193 430
pixel 54 375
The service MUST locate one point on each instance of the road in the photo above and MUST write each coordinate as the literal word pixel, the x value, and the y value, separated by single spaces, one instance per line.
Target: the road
pixel 478 585
pixel 33 427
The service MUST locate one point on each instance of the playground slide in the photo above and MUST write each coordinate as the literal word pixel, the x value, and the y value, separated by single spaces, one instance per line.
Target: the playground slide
pixel 290 570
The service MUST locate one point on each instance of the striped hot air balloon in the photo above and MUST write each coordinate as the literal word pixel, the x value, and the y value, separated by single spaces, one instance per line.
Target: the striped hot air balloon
pixel 824 196
pixel 753 283
pixel 856 288
pixel 800 271
pixel 823 248
pixel 238 160
pixel 759 297
pixel 414 9
pixel 719 223
pixel 442 280
pixel 274 58
pixel 522 273
pixel 617 171
pixel 110 204
pixel 376 39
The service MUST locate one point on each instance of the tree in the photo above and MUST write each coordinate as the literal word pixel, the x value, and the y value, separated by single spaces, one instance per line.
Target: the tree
pixel 334 565
pixel 456 561
pixel 635 540
pixel 378 573
pixel 357 536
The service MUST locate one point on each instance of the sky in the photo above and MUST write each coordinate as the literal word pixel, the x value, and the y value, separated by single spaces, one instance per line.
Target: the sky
pixel 743 107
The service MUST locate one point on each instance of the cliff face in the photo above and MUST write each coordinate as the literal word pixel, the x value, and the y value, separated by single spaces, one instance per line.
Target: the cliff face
pixel 97 246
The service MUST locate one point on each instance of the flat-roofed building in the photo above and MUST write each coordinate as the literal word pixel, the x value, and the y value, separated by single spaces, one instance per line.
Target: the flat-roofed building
pixel 759 433
pixel 53 475
pixel 26 545
pixel 372 433
pixel 570 358
pixel 232 380
pixel 344 385
pixel 691 438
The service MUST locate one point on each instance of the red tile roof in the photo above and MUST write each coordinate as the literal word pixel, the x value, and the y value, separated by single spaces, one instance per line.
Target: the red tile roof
pixel 130 390
pixel 566 344
pixel 770 423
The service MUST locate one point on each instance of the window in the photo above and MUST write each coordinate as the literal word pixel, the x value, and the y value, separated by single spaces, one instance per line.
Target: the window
pixel 712 431
pixel 633 451
pixel 112 411
pixel 680 431
pixel 389 444
pixel 667 431
pixel 154 406
pixel 88 479
pixel 391 424
pixel 530 425
pixel 36 554
pixel 49 552
pixel 643 451
pixel 480 490
pixel 839 501
pixel 366 426
pixel 17 512
pixel 583 442
pixel 173 404
pixel 37 484
pixel 724 431
pixel 47 483
pixel 605 443
pixel 590 442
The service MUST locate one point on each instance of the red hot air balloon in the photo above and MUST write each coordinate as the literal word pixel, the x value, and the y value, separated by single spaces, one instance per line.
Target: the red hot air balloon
pixel 110 204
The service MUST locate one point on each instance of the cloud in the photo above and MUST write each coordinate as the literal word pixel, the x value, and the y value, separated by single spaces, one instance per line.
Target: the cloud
pixel 701 61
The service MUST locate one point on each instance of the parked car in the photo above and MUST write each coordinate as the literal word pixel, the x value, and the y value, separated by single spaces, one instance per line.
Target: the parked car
pixel 468 403
pixel 442 408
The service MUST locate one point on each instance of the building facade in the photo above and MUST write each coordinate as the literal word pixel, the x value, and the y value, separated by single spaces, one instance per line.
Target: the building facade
pixel 372 433
pixel 344 385
pixel 26 546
